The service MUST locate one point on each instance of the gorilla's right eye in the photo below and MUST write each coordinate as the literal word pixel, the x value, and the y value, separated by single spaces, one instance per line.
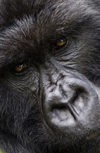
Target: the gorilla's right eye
pixel 20 68
pixel 61 42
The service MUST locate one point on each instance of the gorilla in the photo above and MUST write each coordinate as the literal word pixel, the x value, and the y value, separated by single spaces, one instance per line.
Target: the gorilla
pixel 50 76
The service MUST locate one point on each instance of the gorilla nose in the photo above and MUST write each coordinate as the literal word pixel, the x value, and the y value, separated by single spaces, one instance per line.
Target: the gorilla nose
pixel 67 103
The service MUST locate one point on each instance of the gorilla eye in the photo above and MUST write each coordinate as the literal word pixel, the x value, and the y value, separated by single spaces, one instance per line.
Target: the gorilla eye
pixel 21 68
pixel 61 42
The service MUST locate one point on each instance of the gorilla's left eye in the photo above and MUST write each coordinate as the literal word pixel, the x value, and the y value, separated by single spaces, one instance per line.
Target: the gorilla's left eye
pixel 21 68
pixel 61 42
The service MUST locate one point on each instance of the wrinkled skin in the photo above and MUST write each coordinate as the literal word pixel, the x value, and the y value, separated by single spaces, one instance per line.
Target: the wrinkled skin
pixel 50 92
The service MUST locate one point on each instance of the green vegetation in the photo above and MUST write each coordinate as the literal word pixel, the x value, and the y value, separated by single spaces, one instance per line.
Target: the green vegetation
pixel 1 151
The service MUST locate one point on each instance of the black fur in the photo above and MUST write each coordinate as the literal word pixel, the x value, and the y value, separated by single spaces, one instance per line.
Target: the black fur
pixel 28 31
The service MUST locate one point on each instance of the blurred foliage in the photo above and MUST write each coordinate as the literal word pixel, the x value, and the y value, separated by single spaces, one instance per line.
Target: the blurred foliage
pixel 1 151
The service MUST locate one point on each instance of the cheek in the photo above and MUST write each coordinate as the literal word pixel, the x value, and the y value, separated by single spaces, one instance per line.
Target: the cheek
pixel 28 81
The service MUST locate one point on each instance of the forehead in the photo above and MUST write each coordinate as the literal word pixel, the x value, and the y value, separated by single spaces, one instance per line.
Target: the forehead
pixel 42 14
pixel 18 8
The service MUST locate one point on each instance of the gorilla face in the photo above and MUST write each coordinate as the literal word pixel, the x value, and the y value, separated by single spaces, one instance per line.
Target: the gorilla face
pixel 50 75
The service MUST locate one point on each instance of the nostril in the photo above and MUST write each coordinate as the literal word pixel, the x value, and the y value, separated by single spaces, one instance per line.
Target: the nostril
pixel 59 107
pixel 61 99
pixel 78 93
pixel 79 101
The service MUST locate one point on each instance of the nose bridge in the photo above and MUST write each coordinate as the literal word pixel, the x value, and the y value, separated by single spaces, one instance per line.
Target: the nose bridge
pixel 60 92
pixel 50 76
pixel 51 71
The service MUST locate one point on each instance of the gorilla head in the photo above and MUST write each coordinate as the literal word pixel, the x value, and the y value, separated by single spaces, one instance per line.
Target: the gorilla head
pixel 50 76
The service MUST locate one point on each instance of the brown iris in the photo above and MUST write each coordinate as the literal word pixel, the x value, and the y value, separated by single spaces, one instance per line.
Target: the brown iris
pixel 21 67
pixel 61 42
